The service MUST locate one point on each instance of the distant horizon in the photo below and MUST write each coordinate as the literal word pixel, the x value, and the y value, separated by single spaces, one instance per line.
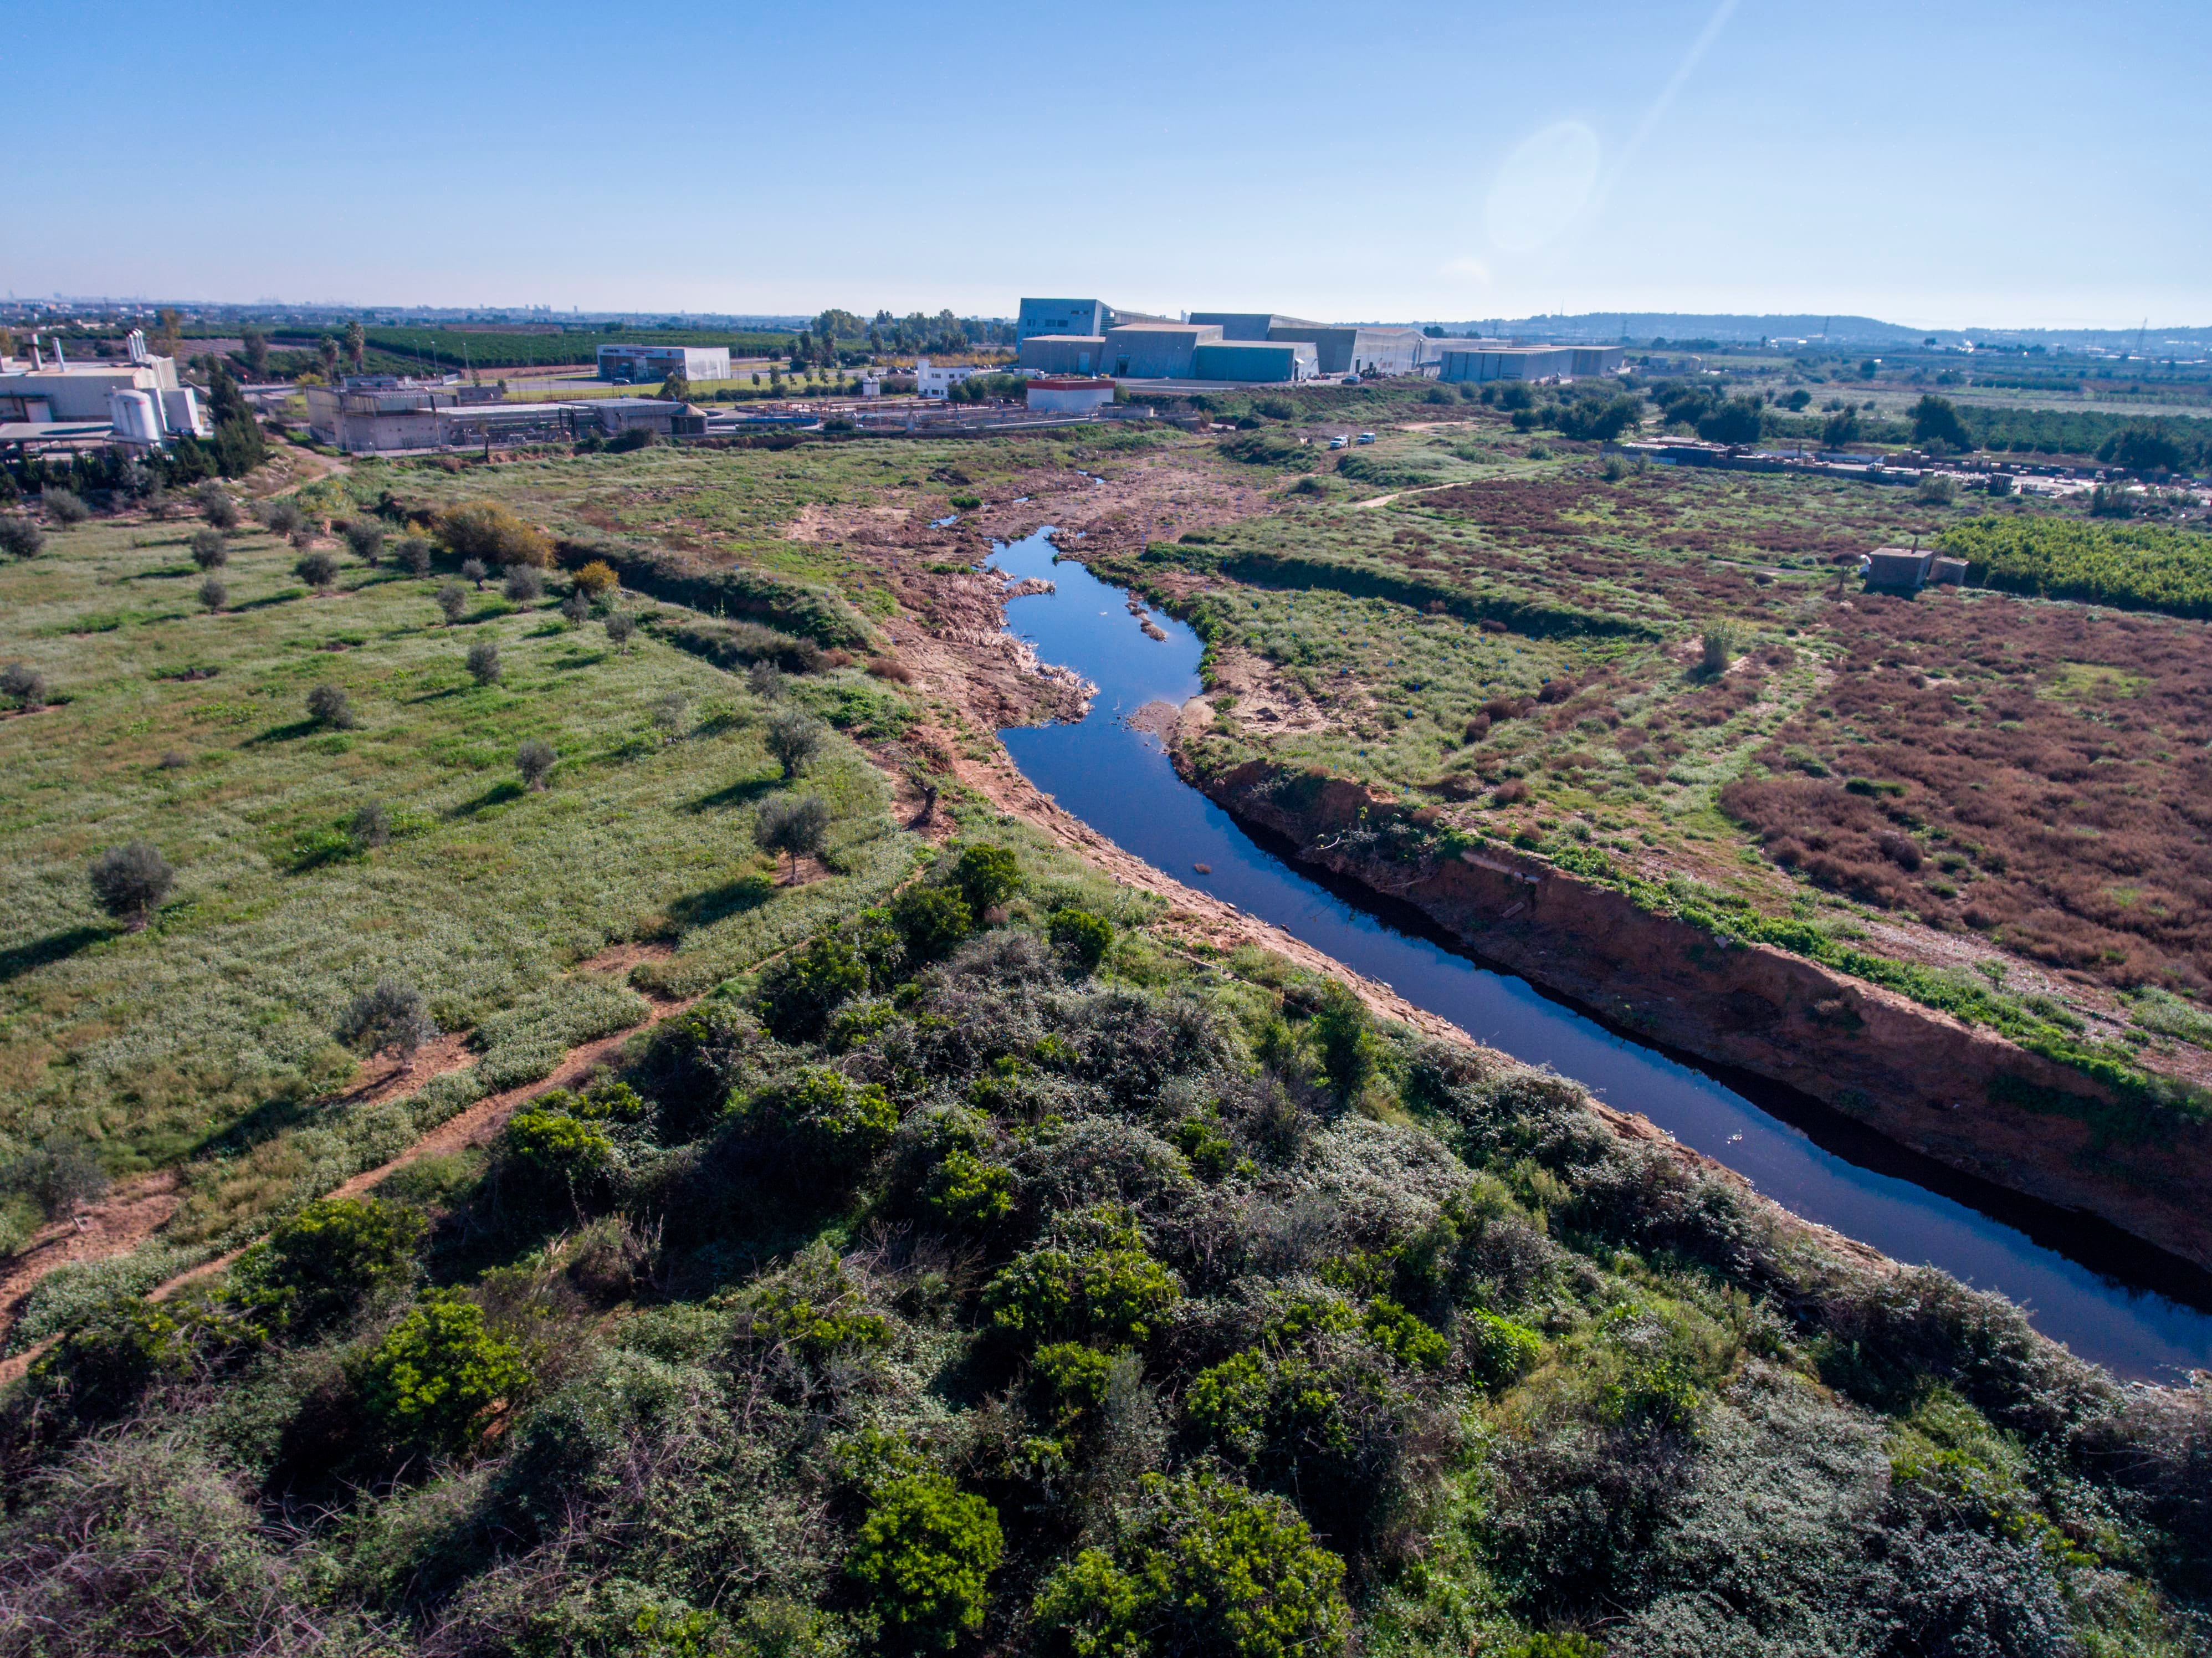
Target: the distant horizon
pixel 1790 324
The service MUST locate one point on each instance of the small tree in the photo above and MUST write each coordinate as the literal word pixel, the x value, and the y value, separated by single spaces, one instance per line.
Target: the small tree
pixel 1715 649
pixel 453 601
pixel 26 687
pixel 1081 937
pixel 328 705
pixel 390 1017
pixel 415 556
pixel 485 530
pixel 524 586
pixel 576 608
pixel 66 507
pixel 371 826
pixel 534 760
pixel 356 343
pixel 366 541
pixel 765 681
pixel 435 1379
pixel 319 568
pixel 20 537
pixel 791 827
pixel 1348 1048
pixel 620 626
pixel 209 551
pixel 283 516
pixel 216 505
pixel 130 881
pixel 987 877
pixel 474 570
pixel 483 662
pixel 795 737
pixel 596 579
pixel 213 594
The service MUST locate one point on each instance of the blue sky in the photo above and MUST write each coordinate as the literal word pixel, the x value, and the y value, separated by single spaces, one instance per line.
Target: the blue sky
pixel 1941 164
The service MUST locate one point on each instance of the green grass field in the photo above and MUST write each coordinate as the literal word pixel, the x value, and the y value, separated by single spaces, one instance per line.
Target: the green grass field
pixel 189 730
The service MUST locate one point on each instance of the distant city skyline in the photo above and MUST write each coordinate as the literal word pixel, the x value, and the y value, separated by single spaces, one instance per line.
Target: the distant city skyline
pixel 1977 165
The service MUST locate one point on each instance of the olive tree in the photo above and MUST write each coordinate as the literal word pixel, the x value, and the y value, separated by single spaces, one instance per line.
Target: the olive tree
pixel 319 568
pixel 216 505
pixel 209 550
pixel 390 1017
pixel 795 737
pixel 524 585
pixel 415 556
pixel 483 662
pixel 213 594
pixel 26 687
pixel 66 507
pixel 534 760
pixel 20 537
pixel 620 626
pixel 130 881
pixel 576 608
pixel 793 827
pixel 282 517
pixel 366 541
pixel 453 600
pixel 328 705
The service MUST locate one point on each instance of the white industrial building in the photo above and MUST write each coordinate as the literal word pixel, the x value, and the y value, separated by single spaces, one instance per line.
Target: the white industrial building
pixel 631 364
pixel 938 380
pixel 140 397
pixel 1527 362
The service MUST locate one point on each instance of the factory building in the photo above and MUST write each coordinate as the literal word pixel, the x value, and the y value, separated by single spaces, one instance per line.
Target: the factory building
pixel 1254 360
pixel 1353 349
pixel 1591 359
pixel 1248 325
pixel 1509 362
pixel 364 414
pixel 1090 317
pixel 630 364
pixel 141 397
pixel 1156 351
pixel 1061 354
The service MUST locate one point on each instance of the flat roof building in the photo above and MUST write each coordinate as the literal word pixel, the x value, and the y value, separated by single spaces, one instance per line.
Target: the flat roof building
pixel 1901 568
pixel 630 364
pixel 1068 394
pixel 142 393
pixel 1156 351
pixel 1074 317
pixel 1061 354
pixel 1254 361
pixel 1352 348
pixel 1509 362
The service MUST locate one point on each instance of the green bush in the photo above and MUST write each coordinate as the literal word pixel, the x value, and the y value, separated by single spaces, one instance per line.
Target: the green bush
pixel 799 993
pixel 1499 1350
pixel 1081 937
pixel 320 1263
pixel 931 921
pixel 1210 1152
pixel 987 877
pixel 833 1123
pixel 1112 1292
pixel 553 1152
pixel 1068 1382
pixel 963 1190
pixel 1198 1566
pixel 105 1360
pixel 435 1381
pixel 923 1560
pixel 1342 1028
pixel 1405 1337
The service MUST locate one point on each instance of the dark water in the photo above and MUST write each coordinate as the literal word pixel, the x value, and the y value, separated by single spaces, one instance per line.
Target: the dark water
pixel 2107 1297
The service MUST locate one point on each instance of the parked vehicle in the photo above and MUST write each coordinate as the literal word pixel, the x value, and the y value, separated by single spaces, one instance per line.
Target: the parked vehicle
pixel 1365 437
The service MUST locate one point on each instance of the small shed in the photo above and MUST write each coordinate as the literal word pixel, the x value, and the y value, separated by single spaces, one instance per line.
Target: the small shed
pixel 1950 570
pixel 1903 570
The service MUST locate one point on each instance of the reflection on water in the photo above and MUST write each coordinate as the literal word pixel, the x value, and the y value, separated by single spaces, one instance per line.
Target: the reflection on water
pixel 2102 1295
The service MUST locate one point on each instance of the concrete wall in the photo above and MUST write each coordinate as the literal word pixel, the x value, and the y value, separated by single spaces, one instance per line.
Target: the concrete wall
pixel 1061 354
pixel 1156 351
pixel 1064 399
pixel 1254 360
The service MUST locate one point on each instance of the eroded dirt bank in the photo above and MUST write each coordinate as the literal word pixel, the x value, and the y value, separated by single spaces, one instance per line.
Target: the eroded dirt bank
pixel 1920 1077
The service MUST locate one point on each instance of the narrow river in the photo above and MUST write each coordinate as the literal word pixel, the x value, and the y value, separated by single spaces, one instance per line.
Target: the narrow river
pixel 2109 1298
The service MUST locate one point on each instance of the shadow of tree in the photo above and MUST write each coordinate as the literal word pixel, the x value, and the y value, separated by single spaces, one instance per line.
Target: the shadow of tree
pixel 745 791
pixel 286 733
pixel 54 947
pixel 498 795
pixel 716 903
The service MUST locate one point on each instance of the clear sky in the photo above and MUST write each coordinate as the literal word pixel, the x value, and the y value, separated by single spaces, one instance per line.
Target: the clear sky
pixel 1937 163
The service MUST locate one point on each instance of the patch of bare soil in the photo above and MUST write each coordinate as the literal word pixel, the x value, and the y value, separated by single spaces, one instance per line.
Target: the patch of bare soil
pixel 1265 700
pixel 127 1213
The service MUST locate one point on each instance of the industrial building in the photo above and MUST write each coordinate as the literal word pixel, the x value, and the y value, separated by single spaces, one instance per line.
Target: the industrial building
pixel 1255 360
pixel 1339 348
pixel 1072 317
pixel 1528 362
pixel 378 414
pixel 140 398
pixel 631 364
pixel 936 380
pixel 1052 394
pixel 1061 354
pixel 1906 570
pixel 1156 351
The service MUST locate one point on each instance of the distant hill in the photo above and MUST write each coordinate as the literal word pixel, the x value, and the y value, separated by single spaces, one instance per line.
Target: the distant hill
pixel 1640 327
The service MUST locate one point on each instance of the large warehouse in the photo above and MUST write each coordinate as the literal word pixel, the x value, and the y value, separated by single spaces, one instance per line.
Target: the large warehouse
pixel 1530 362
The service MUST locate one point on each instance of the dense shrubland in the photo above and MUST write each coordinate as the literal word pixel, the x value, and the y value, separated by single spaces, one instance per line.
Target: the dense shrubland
pixel 959 1282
